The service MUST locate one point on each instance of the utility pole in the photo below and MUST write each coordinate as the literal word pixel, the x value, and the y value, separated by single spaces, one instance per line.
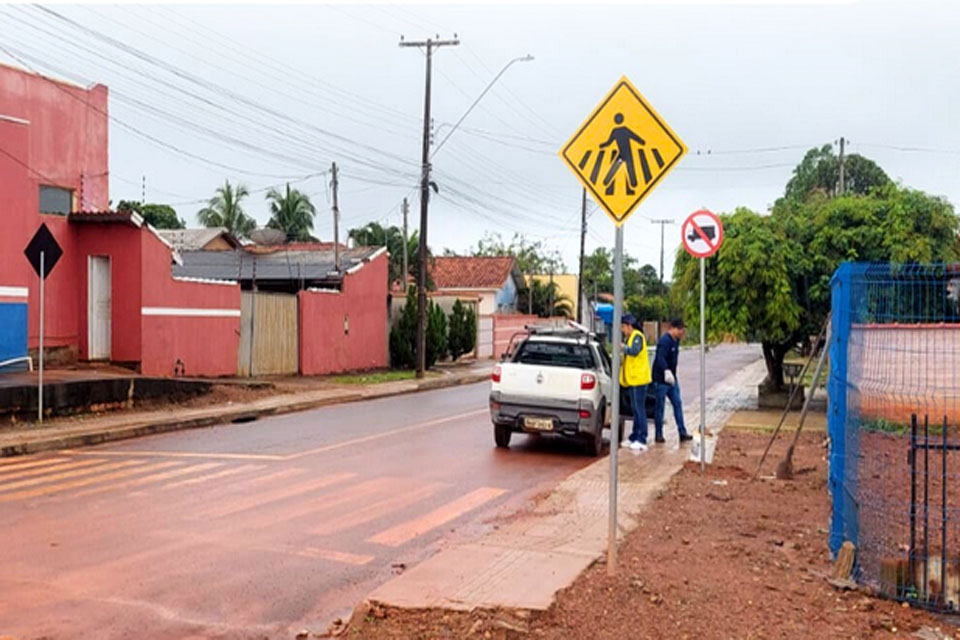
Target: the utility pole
pixel 406 266
pixel 336 218
pixel 429 45
pixel 583 239
pixel 663 224
pixel 842 185
pixel 143 190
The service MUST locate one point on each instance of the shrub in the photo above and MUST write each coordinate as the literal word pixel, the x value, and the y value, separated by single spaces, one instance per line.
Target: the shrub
pixel 463 330
pixel 403 336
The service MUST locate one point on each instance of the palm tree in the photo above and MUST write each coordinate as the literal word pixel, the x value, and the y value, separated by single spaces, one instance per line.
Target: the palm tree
pixel 291 212
pixel 376 235
pixel 224 210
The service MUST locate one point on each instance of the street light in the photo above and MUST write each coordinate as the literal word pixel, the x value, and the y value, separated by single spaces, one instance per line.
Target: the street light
pixel 526 58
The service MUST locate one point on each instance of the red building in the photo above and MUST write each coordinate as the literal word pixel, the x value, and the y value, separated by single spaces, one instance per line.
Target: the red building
pixel 122 293
pixel 112 296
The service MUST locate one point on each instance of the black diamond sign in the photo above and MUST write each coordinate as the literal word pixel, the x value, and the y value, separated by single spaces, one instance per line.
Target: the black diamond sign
pixel 43 241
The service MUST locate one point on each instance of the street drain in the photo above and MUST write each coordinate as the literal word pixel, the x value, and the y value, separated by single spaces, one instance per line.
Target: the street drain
pixel 244 419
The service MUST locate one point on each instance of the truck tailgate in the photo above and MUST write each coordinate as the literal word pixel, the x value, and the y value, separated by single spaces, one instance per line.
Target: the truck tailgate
pixel 533 381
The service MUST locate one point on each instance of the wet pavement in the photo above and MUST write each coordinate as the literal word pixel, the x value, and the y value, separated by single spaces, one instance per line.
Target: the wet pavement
pixel 257 530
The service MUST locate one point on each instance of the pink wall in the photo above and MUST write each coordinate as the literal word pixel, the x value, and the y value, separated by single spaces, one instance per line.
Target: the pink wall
pixel 206 344
pixel 16 228
pixel 325 347
pixel 122 243
pixel 504 328
pixel 65 145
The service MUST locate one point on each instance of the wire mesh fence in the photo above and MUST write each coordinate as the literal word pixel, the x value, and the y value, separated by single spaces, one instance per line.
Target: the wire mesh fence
pixel 895 428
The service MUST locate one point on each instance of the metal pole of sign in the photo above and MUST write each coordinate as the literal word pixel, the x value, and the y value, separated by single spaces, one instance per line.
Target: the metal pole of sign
pixel 40 354
pixel 703 363
pixel 615 418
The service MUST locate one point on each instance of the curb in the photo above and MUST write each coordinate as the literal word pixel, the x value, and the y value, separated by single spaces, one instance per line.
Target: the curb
pixel 240 414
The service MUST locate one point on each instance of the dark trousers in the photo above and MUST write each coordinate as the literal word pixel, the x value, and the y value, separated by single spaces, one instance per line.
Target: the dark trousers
pixel 671 391
pixel 638 402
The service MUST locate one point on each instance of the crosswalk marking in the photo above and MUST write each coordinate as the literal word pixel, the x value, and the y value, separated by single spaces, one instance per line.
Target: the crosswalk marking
pixel 156 477
pixel 335 556
pixel 100 467
pixel 403 533
pixel 341 497
pixel 7 475
pixel 261 499
pixel 83 482
pixel 377 509
pixel 25 463
pixel 212 476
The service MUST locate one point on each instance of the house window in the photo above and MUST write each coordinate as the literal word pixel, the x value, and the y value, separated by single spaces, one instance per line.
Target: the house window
pixel 55 200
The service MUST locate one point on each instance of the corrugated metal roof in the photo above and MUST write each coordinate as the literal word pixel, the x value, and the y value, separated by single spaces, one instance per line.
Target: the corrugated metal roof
pixel 279 265
pixel 195 239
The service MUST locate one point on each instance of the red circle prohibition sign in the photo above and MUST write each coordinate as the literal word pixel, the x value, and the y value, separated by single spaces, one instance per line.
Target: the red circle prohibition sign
pixel 702 233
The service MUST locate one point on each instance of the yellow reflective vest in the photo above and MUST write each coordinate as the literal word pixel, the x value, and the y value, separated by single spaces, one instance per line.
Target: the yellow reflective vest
pixel 635 370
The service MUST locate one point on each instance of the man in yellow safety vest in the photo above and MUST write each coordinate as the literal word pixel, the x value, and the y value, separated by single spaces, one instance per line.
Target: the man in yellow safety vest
pixel 634 377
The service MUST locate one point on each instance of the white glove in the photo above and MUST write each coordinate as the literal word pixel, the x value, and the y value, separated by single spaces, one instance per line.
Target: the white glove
pixel 668 377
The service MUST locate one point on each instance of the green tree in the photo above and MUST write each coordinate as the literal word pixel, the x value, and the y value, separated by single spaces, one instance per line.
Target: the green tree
pixel 376 235
pixel 819 172
pixel 403 336
pixel 224 210
pixel 541 294
pixel 158 216
pixel 437 336
pixel 291 212
pixel 770 281
pixel 531 257
pixel 463 330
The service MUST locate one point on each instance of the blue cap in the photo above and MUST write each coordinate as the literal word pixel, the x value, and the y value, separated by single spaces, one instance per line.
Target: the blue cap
pixel 628 319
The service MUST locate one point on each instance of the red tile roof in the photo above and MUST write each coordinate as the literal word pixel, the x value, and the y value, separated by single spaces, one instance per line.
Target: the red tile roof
pixel 470 273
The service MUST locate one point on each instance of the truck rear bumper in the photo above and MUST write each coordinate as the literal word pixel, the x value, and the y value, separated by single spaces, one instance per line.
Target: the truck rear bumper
pixel 569 418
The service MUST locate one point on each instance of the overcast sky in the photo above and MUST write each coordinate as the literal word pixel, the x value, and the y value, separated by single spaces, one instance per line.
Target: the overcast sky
pixel 259 94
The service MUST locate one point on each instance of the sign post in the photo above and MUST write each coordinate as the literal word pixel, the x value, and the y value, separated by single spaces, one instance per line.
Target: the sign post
pixel 619 154
pixel 43 252
pixel 702 235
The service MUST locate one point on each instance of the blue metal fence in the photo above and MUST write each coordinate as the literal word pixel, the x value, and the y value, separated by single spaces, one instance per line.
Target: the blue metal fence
pixel 893 422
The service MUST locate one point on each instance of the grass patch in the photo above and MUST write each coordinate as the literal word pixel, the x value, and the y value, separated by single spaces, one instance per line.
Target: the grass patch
pixel 375 377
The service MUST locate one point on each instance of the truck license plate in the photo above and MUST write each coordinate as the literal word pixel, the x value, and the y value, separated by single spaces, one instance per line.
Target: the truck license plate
pixel 538 424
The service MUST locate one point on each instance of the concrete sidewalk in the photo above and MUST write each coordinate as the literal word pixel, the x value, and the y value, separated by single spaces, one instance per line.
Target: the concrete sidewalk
pixel 523 563
pixel 64 433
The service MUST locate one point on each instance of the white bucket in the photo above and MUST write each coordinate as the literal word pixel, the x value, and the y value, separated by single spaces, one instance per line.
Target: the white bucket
pixel 710 446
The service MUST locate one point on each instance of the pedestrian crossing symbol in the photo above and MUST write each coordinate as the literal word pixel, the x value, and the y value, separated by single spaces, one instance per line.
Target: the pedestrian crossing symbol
pixel 622 151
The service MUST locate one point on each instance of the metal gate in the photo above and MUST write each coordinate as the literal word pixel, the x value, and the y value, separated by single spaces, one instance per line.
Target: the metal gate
pixel 269 334
pixel 934 550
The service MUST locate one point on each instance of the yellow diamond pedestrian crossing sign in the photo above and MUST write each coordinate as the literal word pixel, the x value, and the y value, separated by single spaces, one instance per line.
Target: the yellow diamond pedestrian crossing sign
pixel 622 151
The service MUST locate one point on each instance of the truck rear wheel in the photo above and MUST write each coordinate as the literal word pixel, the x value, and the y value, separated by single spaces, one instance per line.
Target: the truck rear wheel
pixel 502 436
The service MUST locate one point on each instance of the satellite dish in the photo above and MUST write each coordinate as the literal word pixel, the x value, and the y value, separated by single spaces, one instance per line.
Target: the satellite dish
pixel 268 237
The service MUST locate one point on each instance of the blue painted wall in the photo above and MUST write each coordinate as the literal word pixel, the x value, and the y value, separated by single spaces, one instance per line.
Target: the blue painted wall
pixel 506 299
pixel 13 333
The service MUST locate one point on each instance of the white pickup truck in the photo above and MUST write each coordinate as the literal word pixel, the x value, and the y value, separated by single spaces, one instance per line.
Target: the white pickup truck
pixel 553 381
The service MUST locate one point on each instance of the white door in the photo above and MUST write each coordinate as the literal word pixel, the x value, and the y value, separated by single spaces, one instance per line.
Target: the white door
pixel 98 307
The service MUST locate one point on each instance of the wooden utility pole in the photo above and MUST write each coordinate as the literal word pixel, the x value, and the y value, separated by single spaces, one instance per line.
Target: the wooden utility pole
pixel 583 239
pixel 663 225
pixel 336 218
pixel 406 266
pixel 842 176
pixel 429 45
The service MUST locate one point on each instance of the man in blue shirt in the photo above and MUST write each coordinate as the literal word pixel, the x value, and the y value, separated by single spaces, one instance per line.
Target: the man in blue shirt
pixel 665 382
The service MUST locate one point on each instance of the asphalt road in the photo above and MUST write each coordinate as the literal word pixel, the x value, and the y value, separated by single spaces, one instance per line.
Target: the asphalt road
pixel 257 530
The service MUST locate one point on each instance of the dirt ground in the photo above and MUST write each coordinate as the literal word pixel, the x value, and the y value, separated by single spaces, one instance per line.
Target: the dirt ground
pixel 716 556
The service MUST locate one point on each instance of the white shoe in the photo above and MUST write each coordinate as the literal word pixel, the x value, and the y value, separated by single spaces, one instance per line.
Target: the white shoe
pixel 626 443
pixel 638 446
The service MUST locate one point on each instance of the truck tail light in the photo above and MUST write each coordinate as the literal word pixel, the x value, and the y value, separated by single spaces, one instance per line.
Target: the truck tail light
pixel 588 381
pixel 496 374
pixel 584 414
